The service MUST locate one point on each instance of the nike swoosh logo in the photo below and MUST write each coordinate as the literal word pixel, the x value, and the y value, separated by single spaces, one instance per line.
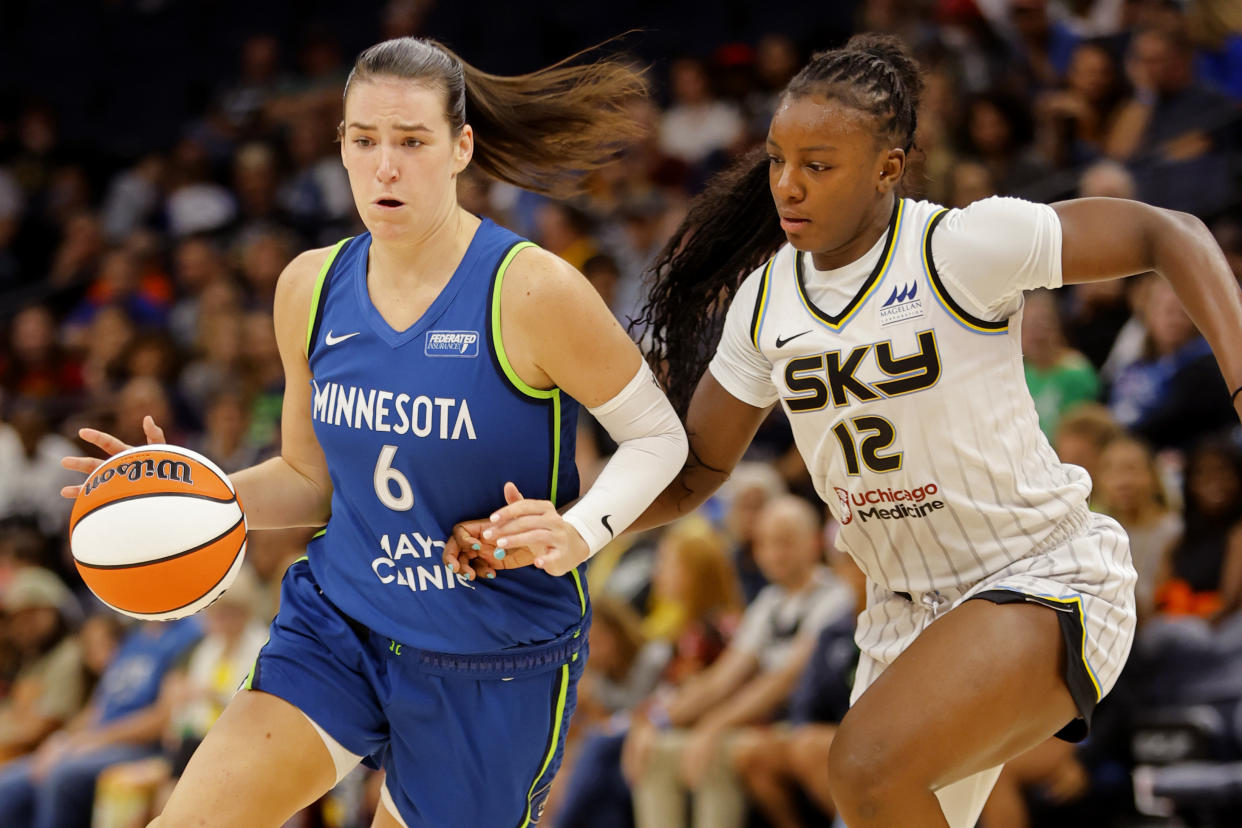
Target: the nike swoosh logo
pixel 781 343
pixel 604 520
pixel 336 340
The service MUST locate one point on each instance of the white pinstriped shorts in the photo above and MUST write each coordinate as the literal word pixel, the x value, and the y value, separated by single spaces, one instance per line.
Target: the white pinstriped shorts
pixel 1089 579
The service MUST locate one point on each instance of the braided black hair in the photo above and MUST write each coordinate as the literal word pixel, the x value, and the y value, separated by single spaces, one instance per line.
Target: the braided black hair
pixel 732 227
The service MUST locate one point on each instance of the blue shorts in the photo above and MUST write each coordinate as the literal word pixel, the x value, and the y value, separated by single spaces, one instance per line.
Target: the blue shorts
pixel 466 740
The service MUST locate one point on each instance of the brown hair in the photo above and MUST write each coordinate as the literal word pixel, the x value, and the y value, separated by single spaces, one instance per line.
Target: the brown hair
pixel 704 553
pixel 542 131
pixel 624 623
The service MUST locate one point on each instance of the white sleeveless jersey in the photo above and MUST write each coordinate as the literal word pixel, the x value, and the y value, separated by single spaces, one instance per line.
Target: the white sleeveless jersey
pixel 912 414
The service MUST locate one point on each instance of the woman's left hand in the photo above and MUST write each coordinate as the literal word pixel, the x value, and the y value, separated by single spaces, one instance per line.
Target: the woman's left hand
pixel 535 524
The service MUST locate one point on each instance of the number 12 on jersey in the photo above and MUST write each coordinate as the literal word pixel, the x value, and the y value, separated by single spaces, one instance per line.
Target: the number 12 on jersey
pixel 876 434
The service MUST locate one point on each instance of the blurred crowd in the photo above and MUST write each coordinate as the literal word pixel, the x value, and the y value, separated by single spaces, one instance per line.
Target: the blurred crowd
pixel 140 281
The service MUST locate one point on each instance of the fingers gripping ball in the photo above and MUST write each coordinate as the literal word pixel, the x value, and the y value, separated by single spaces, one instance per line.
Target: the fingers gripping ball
pixel 157 532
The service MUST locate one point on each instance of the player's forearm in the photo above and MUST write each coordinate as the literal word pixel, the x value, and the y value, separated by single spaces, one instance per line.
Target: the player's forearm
pixel 1184 251
pixel 276 495
pixel 692 486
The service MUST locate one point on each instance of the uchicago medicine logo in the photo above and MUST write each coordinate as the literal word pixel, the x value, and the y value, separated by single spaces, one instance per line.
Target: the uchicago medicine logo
pixel 888 503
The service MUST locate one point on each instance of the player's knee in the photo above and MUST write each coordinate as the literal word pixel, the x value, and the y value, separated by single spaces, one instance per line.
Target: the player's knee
pixel 865 771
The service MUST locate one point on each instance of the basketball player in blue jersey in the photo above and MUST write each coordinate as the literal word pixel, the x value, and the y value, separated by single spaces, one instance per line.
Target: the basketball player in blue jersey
pixel 432 364
pixel 1000 609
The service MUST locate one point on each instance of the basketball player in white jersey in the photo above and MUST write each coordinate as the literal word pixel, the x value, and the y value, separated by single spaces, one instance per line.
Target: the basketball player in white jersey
pixel 888 330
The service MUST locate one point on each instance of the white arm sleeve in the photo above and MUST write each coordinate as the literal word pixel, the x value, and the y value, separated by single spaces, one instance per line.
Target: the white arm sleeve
pixel 990 252
pixel 739 367
pixel 651 450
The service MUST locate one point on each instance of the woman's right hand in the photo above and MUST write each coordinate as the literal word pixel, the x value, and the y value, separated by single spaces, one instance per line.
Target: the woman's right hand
pixel 109 445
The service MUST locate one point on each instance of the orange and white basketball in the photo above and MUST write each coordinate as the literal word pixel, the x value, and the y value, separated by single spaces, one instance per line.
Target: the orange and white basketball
pixel 157 532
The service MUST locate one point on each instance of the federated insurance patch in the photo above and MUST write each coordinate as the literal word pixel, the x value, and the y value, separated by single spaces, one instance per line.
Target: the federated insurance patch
pixel 452 344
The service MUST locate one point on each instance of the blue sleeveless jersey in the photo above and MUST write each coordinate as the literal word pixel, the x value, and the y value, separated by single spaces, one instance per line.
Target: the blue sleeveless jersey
pixel 421 429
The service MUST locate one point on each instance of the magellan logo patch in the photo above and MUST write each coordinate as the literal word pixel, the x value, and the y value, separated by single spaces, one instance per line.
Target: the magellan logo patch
pixel 904 303
pixel 452 344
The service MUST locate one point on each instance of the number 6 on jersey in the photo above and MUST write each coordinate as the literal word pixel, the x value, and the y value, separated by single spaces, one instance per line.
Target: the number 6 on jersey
pixel 386 477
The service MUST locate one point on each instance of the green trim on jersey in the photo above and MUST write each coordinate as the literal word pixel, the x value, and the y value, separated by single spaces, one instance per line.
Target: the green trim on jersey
pixel 558 714
pixel 315 296
pixel 552 395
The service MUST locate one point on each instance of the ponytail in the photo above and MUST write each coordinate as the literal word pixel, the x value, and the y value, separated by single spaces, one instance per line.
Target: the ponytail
pixel 731 228
pixel 543 131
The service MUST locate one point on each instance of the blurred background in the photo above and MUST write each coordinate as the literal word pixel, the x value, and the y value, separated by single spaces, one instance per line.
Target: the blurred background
pixel 162 160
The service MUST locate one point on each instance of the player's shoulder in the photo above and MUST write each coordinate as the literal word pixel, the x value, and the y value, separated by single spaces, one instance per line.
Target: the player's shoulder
pixel 540 280
pixel 992 217
pixel 297 281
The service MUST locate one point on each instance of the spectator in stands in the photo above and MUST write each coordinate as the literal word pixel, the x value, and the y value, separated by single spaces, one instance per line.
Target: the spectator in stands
pixel 624 667
pixel 120 283
pixel 1057 376
pixel 137 398
pixel 997 132
pixel 697 124
pixel 316 195
pixel 565 231
pixel 1213 519
pixel 749 489
pixel 226 423
pixel 35 364
pixel 264 254
pixel 1073 121
pixel 1128 489
pixel 698 592
pixel 1082 435
pixel 51 683
pixel 695 601
pixel 1174 392
pixel 683 745
pixel 134 197
pixel 195 692
pixel 30 472
pixel 218 364
pixel 256 181
pixel 55 786
pixel 195 203
pixel 781 764
pixel 197 264
pixel 1174 131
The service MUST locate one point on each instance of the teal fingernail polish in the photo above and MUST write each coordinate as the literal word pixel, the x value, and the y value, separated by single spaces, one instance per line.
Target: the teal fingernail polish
pixel 453 565
pixel 500 554
pixel 474 547
pixel 491 574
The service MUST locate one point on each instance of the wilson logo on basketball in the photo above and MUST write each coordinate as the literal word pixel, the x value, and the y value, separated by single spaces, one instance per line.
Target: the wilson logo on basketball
pixel 138 469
